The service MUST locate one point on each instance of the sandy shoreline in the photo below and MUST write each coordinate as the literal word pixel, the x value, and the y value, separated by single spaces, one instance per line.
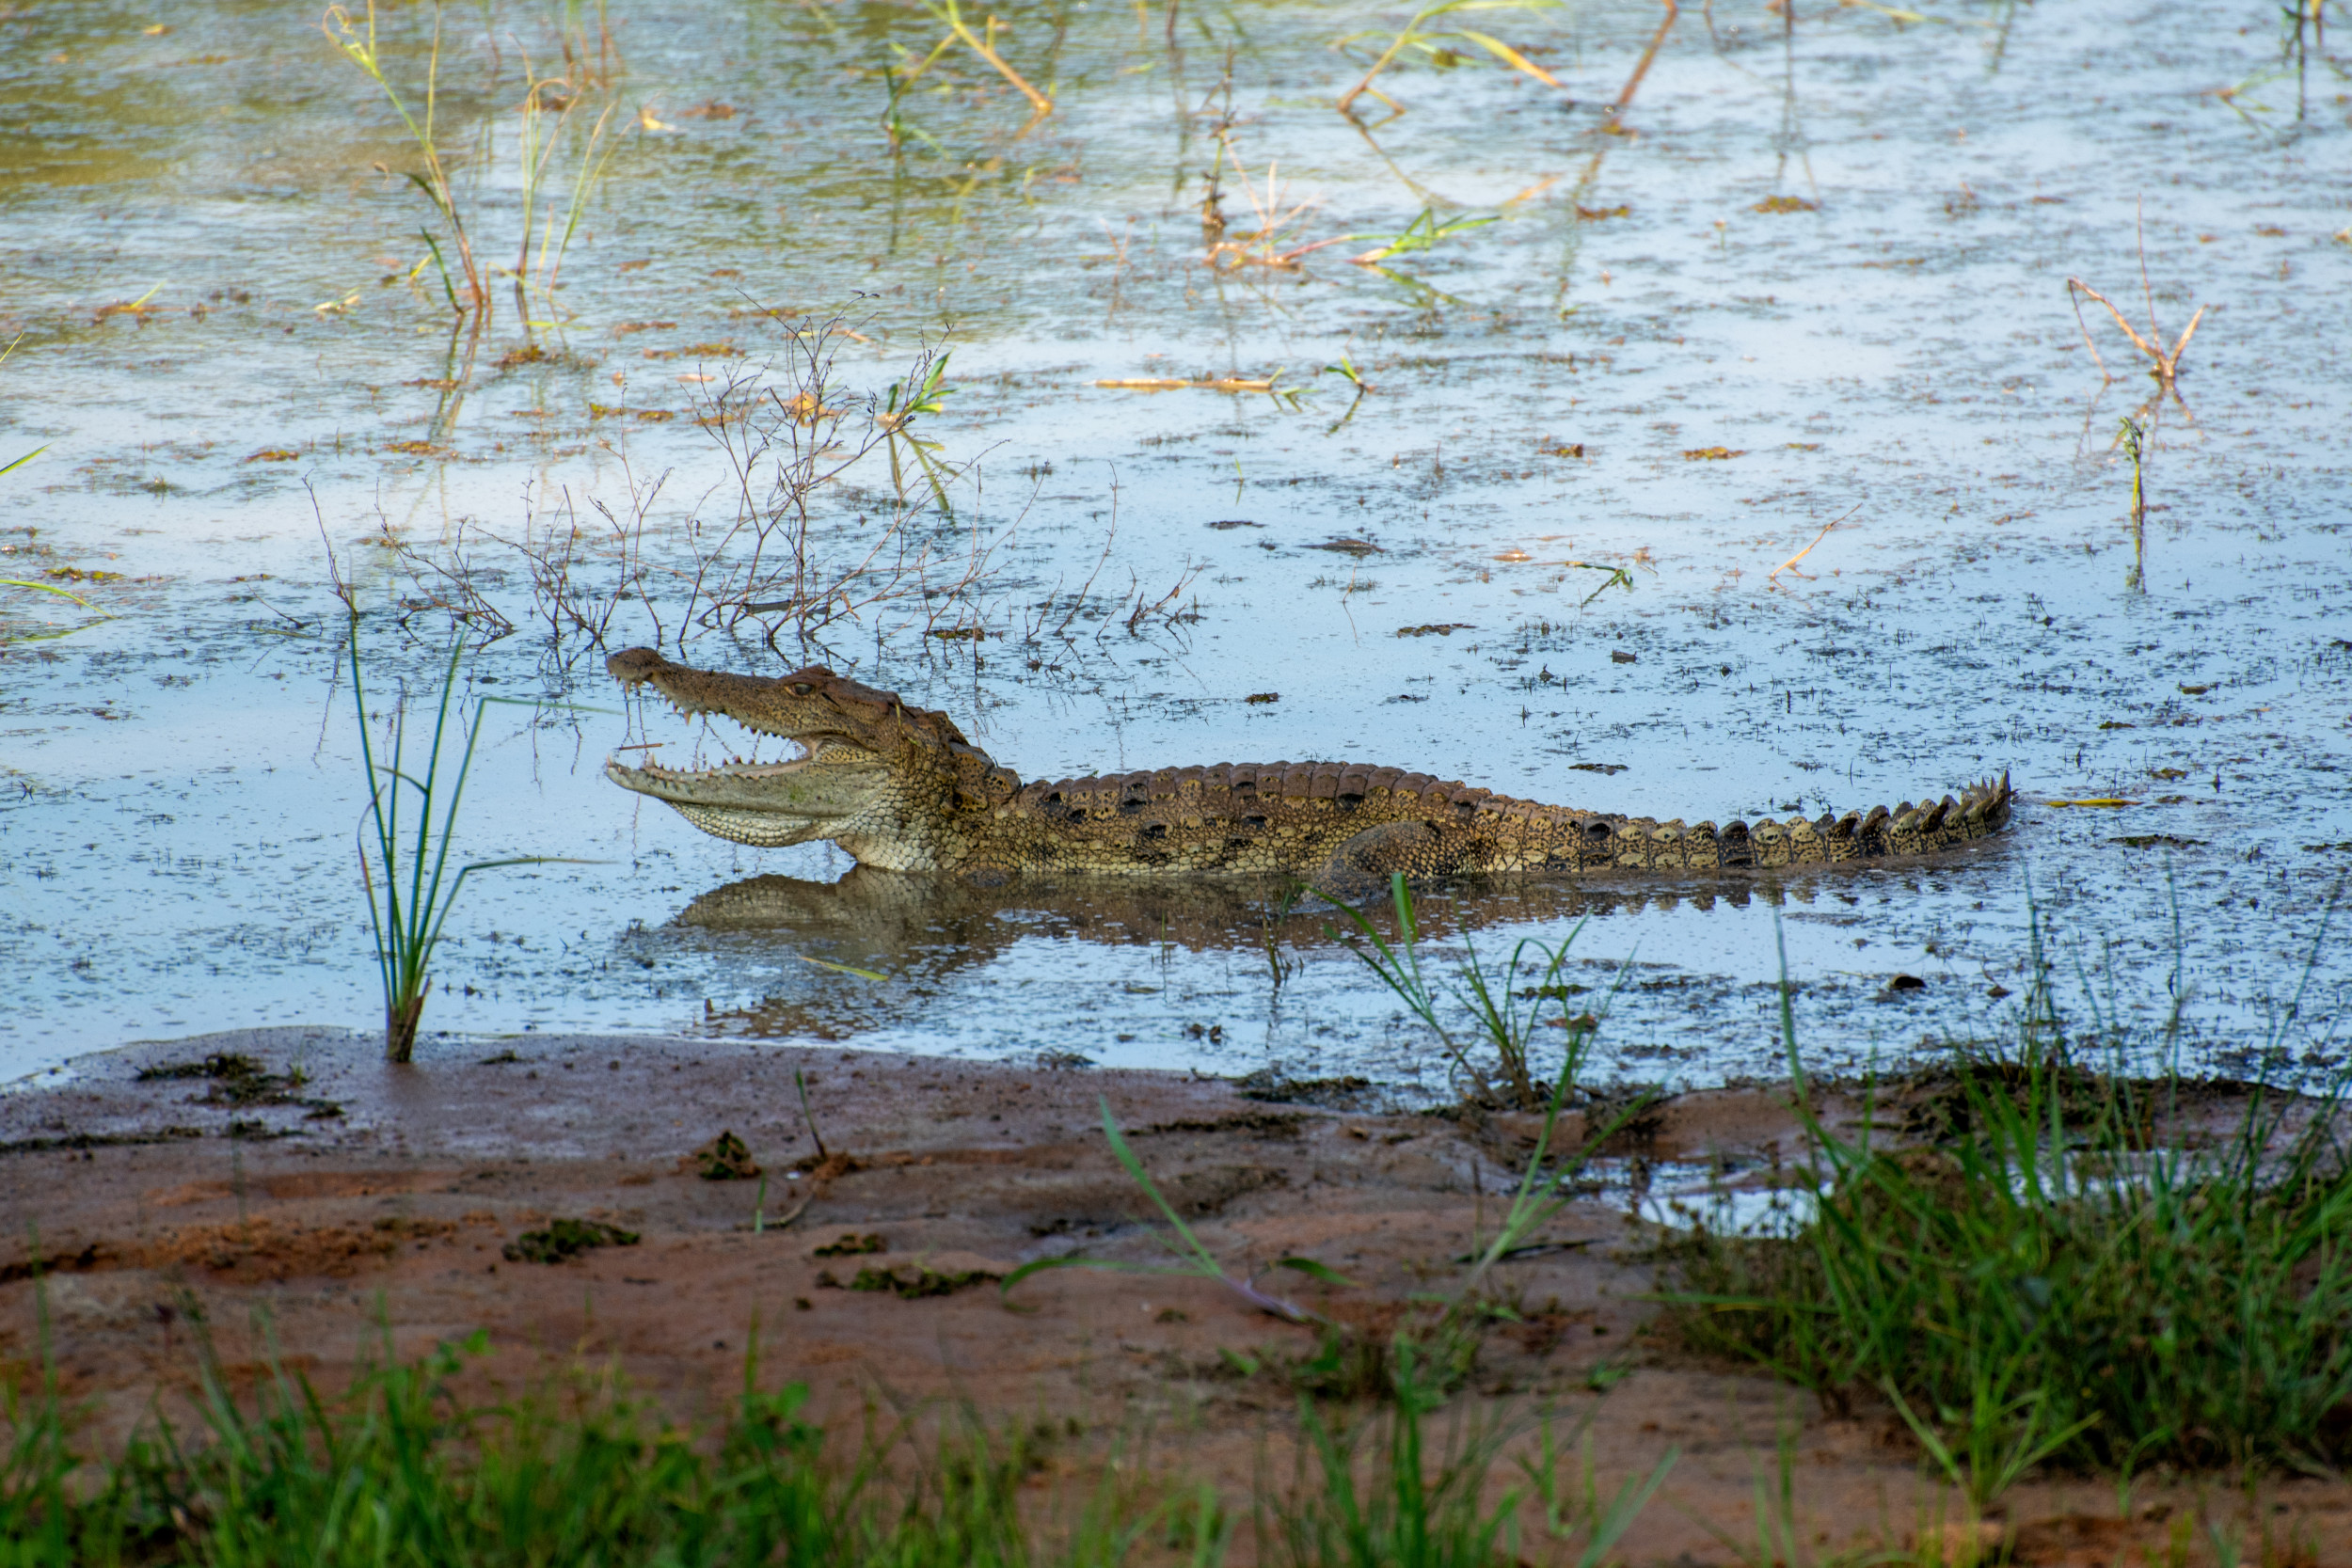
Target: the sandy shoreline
pixel 402 1201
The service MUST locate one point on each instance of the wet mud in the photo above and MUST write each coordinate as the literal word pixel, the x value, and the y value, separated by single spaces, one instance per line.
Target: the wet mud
pixel 557 1197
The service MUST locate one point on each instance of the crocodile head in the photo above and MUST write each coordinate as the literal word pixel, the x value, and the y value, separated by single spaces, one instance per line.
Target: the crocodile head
pixel 866 755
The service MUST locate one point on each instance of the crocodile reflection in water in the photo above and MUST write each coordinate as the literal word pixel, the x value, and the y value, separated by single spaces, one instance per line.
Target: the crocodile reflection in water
pixel 901 789
pixel 932 934
pixel 905 922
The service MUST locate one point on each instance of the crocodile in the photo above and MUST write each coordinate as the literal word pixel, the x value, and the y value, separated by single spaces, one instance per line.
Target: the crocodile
pixel 901 788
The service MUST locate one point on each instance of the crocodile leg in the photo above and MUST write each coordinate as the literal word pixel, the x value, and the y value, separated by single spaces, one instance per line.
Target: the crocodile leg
pixel 1360 868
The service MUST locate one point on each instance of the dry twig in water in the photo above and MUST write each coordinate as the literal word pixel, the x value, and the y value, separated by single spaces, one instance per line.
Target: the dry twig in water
pixel 2164 367
pixel 1773 577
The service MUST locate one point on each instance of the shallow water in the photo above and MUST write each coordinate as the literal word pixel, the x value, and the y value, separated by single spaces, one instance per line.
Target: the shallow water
pixel 181 783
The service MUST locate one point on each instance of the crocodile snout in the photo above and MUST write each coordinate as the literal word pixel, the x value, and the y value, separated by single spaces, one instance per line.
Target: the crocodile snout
pixel 633 666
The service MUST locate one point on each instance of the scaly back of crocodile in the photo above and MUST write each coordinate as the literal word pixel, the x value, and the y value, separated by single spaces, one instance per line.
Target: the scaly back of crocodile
pixel 1475 829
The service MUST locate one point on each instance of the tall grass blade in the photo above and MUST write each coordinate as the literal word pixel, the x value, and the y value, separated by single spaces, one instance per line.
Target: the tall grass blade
pixel 407 913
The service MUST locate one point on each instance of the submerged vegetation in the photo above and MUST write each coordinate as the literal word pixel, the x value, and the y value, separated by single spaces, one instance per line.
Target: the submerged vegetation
pixel 546 111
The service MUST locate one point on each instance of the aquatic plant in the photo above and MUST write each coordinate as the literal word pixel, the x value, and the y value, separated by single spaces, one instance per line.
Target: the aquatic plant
pixel 2164 367
pixel 357 44
pixel 540 142
pixel 924 392
pixel 36 587
pixel 2073 1272
pixel 983 43
pixel 22 582
pixel 2303 27
pixel 408 914
pixel 2133 438
pixel 1268 244
pixel 1422 233
pixel 11 468
pixel 549 105
pixel 1419 38
pixel 1509 1032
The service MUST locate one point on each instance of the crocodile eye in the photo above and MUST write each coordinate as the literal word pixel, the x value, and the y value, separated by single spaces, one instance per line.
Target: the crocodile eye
pixel 801 689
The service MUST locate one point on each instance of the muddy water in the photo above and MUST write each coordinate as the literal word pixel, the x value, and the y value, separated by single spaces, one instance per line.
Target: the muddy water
pixel 238 354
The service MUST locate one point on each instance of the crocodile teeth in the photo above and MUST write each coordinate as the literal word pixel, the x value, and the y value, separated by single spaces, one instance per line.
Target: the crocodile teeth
pixel 731 769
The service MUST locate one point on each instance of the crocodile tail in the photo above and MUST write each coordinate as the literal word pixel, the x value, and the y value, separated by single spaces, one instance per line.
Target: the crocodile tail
pixel 1879 834
pixel 1922 828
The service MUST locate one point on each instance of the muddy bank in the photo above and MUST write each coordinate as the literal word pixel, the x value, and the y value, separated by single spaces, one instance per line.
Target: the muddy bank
pixel 285 1185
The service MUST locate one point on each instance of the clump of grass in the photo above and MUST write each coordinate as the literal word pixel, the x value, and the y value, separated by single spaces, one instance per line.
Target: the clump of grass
pixel 2068 1278
pixel 547 107
pixel 1369 1495
pixel 417 891
pixel 403 1466
pixel 726 1158
pixel 563 1239
pixel 1505 1076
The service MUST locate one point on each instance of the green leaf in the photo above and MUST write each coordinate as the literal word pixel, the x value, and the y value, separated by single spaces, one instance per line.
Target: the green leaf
pixel 1313 1270
pixel 1071 1260
pixel 845 968
pixel 45 588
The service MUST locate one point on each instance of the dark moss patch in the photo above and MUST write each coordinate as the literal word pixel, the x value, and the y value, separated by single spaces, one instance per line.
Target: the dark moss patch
pixel 239 1082
pixel 75 1142
pixel 915 1281
pixel 564 1239
pixel 726 1158
pixel 850 1245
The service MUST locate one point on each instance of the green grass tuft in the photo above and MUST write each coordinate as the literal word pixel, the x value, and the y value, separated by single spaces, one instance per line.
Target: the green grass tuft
pixel 2076 1273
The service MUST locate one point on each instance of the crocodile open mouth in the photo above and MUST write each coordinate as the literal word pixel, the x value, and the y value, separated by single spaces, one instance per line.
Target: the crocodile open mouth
pixel 830 780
